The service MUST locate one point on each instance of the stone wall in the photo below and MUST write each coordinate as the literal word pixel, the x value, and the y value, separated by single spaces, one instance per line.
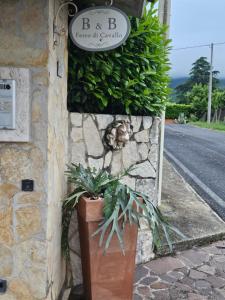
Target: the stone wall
pixel 30 222
pixel 57 149
pixel 87 147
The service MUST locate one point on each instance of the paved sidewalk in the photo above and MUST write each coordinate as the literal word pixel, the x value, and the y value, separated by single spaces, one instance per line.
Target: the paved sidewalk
pixel 195 274
pixel 187 211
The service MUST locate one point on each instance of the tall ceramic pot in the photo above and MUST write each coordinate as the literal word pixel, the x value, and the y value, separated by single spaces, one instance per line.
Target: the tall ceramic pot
pixel 106 276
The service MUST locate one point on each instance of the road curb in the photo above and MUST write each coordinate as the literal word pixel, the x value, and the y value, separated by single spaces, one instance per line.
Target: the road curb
pixel 190 243
pixel 205 192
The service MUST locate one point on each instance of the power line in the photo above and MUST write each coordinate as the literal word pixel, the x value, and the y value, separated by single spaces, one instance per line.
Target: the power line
pixel 219 43
pixel 198 46
pixel 191 47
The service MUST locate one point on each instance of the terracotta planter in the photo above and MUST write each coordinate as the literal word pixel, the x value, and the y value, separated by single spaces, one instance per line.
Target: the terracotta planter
pixel 106 276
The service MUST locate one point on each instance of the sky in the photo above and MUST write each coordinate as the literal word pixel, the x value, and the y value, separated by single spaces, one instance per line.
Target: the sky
pixel 197 22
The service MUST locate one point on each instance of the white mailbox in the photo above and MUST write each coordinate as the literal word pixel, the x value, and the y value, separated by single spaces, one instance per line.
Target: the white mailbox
pixel 7 103
pixel 14 104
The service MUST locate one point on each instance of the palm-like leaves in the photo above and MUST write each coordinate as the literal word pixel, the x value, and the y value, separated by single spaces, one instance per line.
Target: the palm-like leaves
pixel 121 205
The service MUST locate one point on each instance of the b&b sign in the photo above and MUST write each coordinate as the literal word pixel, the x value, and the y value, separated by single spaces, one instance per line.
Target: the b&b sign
pixel 99 28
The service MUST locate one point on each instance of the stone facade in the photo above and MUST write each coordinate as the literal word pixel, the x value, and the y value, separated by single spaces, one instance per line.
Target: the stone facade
pixel 87 147
pixel 30 222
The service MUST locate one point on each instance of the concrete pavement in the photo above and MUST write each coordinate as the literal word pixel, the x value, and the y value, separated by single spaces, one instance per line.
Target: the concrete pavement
pixel 185 209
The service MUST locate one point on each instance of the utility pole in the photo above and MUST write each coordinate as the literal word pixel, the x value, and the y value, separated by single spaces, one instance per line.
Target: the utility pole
pixel 210 86
pixel 164 17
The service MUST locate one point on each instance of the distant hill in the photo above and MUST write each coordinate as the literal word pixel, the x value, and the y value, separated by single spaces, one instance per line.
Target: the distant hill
pixel 222 83
pixel 179 80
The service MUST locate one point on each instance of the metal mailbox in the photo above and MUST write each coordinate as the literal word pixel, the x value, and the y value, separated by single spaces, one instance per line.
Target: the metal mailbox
pixel 7 104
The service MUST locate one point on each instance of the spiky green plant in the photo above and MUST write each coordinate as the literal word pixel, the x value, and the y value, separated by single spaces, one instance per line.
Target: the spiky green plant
pixel 121 205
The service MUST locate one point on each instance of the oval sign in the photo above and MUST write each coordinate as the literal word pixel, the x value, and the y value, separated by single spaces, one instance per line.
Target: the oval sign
pixel 99 28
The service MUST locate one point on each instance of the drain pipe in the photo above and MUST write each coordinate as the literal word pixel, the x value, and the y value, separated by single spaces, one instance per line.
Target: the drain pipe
pixel 164 17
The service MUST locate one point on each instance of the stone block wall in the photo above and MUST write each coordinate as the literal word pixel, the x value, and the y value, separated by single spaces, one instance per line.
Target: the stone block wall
pixel 142 151
pixel 30 222
pixel 87 148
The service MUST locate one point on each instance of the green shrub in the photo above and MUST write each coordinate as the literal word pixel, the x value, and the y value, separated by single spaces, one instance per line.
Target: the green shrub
pixel 173 110
pixel 198 97
pixel 131 79
pixel 192 118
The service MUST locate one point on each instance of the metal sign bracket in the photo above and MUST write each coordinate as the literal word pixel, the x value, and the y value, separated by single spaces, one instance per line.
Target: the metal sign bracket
pixel 58 32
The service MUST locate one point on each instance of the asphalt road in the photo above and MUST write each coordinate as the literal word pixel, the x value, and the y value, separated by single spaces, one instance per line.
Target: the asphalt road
pixel 199 155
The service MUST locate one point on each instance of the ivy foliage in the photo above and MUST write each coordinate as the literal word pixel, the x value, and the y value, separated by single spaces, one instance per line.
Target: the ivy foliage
pixel 131 79
pixel 122 205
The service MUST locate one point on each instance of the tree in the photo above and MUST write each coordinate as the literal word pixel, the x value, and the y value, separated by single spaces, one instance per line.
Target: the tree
pixel 199 74
pixel 218 103
pixel 198 97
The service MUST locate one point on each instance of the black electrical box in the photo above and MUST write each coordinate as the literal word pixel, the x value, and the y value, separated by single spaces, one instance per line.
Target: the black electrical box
pixel 27 185
pixel 3 286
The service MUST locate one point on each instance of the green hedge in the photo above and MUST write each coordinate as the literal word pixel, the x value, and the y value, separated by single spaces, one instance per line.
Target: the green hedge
pixel 132 79
pixel 173 110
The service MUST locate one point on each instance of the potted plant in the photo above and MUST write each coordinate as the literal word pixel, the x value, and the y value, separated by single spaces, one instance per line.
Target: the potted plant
pixel 109 213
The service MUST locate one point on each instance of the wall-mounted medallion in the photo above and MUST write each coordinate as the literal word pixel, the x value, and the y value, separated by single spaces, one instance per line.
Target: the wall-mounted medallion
pixel 99 28
pixel 117 134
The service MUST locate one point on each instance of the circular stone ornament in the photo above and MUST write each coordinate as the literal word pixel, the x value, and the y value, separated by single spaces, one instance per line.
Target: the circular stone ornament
pixel 117 134
pixel 99 28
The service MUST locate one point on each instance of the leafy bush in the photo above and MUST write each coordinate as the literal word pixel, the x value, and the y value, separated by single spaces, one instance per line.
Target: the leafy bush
pixel 131 79
pixel 198 97
pixel 192 118
pixel 218 103
pixel 173 110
